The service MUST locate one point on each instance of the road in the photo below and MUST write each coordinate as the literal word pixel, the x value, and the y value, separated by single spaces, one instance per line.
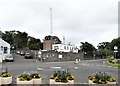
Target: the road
pixel 81 70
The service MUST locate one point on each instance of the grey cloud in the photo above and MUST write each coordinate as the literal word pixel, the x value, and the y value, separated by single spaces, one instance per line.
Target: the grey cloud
pixel 77 20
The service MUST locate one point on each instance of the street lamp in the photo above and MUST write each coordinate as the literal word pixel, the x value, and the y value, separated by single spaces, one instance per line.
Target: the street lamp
pixel 115 51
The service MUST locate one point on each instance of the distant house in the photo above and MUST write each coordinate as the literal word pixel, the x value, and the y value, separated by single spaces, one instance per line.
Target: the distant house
pixel 65 48
pixel 4 49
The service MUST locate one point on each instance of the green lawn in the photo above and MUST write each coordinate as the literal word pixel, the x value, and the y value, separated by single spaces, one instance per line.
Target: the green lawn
pixel 114 65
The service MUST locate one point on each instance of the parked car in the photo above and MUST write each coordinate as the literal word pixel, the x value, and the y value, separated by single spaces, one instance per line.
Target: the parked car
pixel 18 52
pixel 28 56
pixel 22 53
pixel 9 58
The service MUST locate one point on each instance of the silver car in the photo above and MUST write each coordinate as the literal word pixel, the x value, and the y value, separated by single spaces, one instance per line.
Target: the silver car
pixel 9 58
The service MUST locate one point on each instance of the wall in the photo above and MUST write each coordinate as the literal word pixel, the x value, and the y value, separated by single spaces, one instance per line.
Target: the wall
pixel 52 56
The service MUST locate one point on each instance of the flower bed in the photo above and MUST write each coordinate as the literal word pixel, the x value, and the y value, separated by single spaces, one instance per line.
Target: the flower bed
pixel 62 77
pixel 36 78
pixel 101 78
pixel 24 79
pixel 5 78
pixel 29 79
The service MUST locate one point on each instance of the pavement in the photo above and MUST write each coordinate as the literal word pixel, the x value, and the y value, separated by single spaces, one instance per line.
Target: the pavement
pixel 81 70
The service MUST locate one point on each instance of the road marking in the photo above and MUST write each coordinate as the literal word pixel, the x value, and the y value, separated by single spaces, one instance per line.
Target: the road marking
pixel 103 65
pixel 56 67
pixel 109 66
pixel 87 64
pixel 83 64
pixel 97 65
pixel 76 68
pixel 40 69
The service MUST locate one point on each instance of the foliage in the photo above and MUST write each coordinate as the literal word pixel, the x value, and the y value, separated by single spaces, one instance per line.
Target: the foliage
pixel 104 45
pixel 87 47
pixel 113 60
pixel 62 76
pixel 19 40
pixel 34 44
pixel 5 74
pixel 25 77
pixel 101 78
pixel 106 52
pixel 54 38
pixel 35 75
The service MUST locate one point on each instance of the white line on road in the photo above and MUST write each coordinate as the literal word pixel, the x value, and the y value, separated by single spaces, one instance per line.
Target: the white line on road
pixel 109 66
pixel 103 65
pixel 40 69
pixel 83 64
pixel 56 67
pixel 97 65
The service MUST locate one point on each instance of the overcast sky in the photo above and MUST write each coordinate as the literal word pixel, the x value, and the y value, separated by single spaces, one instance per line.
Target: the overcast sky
pixel 78 21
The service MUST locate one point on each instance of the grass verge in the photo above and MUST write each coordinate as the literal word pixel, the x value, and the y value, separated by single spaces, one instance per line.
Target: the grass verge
pixel 111 64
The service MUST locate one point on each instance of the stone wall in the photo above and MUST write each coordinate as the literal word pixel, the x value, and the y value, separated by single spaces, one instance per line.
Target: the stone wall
pixel 52 56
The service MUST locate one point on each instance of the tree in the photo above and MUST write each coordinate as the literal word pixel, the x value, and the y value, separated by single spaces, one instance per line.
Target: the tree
pixel 87 47
pixel 104 45
pixel 34 44
pixel 115 42
pixel 54 38
pixel 19 40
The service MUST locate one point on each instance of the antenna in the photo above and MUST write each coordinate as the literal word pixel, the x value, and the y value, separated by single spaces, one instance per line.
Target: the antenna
pixel 63 40
pixel 51 23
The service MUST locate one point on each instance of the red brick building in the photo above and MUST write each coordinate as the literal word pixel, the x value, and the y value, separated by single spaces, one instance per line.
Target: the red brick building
pixel 47 44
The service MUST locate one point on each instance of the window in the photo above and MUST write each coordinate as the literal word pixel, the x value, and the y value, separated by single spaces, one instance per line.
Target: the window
pixel 56 47
pixel 5 50
pixel 65 47
pixel 1 48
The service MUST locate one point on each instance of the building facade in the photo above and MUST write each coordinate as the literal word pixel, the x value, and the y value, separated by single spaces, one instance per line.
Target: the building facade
pixel 47 44
pixel 65 48
pixel 4 49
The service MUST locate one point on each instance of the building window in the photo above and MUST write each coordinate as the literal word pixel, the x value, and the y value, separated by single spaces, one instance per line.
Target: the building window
pixel 1 48
pixel 56 47
pixel 65 47
pixel 5 50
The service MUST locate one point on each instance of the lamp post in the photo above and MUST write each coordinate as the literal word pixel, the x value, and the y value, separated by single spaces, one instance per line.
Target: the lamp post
pixel 115 51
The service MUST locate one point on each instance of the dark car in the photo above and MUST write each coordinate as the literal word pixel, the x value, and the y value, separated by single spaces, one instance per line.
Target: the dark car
pixel 9 58
pixel 28 56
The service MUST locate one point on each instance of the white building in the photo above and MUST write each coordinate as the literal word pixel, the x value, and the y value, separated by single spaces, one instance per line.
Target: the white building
pixel 65 48
pixel 4 49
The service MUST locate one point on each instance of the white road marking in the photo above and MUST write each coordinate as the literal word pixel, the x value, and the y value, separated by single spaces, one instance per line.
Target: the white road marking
pixel 40 69
pixel 103 65
pixel 109 66
pixel 76 68
pixel 56 67
pixel 97 65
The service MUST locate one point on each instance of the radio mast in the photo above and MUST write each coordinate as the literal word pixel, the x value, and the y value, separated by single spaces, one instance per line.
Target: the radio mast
pixel 51 23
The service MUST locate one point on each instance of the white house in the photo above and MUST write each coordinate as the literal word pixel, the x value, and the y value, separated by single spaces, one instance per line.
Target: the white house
pixel 4 49
pixel 65 48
